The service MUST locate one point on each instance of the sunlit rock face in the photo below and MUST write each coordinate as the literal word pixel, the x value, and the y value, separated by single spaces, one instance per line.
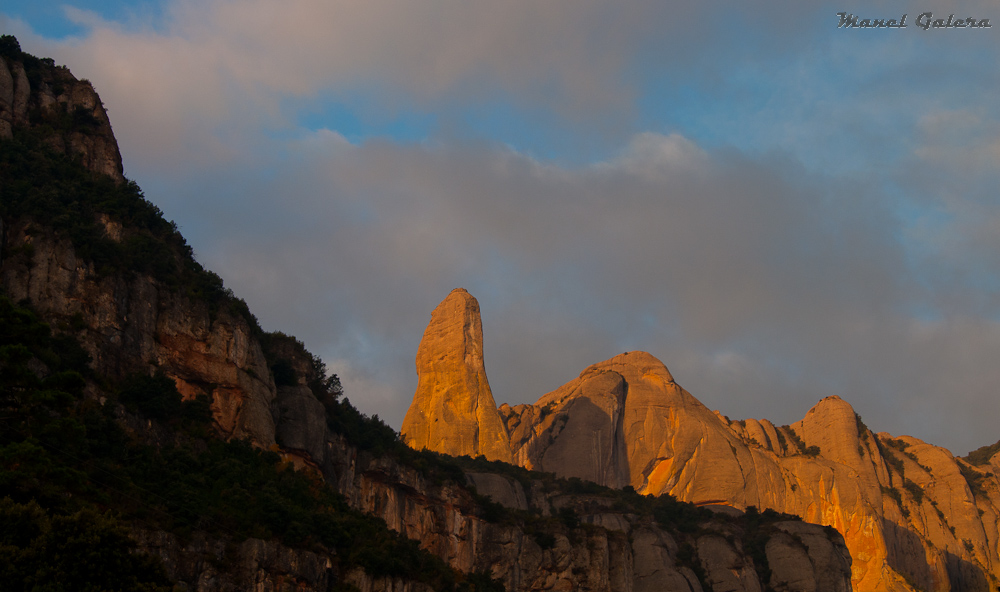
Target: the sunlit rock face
pixel 453 410
pixel 913 515
pixel 130 323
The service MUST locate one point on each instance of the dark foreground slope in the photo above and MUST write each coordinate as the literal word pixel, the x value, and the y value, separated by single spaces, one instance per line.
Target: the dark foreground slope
pixel 135 395
pixel 153 436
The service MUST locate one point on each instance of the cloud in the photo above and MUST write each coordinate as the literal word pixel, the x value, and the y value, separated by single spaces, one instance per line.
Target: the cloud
pixel 189 84
pixel 763 286
pixel 774 213
pixel 188 88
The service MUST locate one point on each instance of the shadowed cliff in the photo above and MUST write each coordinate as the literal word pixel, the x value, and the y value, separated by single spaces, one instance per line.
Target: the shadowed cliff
pixel 153 436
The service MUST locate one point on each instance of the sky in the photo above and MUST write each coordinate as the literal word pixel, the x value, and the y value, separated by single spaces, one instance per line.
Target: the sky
pixel 777 208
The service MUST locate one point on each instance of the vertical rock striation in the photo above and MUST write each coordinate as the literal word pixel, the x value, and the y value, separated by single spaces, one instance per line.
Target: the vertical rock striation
pixel 913 516
pixel 453 410
pixel 133 324
pixel 608 552
pixel 34 93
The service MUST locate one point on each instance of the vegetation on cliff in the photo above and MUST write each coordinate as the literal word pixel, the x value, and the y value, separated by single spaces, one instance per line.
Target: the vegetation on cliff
pixel 59 195
pixel 982 455
pixel 87 459
pixel 66 463
pixel 76 475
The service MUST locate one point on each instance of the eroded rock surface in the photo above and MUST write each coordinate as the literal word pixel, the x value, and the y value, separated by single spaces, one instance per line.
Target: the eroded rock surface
pixel 453 410
pixel 69 112
pixel 613 552
pixel 132 324
pixel 913 515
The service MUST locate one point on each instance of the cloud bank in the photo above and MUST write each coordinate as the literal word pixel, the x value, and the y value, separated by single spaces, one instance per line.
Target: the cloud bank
pixel 743 191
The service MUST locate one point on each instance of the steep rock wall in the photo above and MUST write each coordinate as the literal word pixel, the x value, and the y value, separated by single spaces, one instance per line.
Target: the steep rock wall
pixel 36 93
pixel 130 323
pixel 214 565
pixel 614 552
pixel 913 515
pixel 453 410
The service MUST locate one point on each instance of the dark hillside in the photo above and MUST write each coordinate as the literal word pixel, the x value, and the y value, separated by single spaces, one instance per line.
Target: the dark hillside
pixel 154 437
pixel 71 458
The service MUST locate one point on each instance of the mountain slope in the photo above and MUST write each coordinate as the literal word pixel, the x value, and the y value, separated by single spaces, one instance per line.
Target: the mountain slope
pixel 914 517
pixel 142 405
pixel 135 394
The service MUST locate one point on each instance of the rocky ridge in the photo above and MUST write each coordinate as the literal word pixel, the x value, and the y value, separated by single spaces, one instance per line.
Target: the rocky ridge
pixel 609 548
pixel 34 92
pixel 127 322
pixel 914 516
pixel 536 536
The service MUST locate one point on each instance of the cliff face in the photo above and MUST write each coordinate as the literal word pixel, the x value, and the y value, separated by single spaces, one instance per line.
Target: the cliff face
pixel 128 322
pixel 609 551
pixel 34 93
pixel 913 515
pixel 211 565
pixel 535 536
pixel 133 324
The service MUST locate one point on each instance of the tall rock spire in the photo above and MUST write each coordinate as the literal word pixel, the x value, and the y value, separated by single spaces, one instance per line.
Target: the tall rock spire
pixel 453 410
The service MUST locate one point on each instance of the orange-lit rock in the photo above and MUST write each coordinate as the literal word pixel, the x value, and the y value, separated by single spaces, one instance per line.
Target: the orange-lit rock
pixel 453 410
pixel 913 516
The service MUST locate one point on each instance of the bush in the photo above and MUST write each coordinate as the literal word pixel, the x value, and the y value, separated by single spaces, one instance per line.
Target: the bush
pixel 45 551
pixel 974 478
pixel 41 185
pixel 892 493
pixel 9 47
pixel 683 516
pixel 981 456
pixel 895 463
pixel 862 428
pixel 811 451
pixel 480 582
pixel 569 518
pixel 914 490
pixel 687 556
pixel 155 397
pixel 545 540
pixel 284 374
pixel 781 437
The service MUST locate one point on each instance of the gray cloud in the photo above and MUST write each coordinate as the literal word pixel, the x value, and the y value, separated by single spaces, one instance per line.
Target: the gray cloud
pixel 188 87
pixel 764 287
pixel 827 227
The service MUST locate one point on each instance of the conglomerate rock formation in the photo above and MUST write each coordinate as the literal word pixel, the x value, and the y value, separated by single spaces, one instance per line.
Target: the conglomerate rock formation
pixel 128 322
pixel 267 389
pixel 453 410
pixel 914 516
pixel 133 324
